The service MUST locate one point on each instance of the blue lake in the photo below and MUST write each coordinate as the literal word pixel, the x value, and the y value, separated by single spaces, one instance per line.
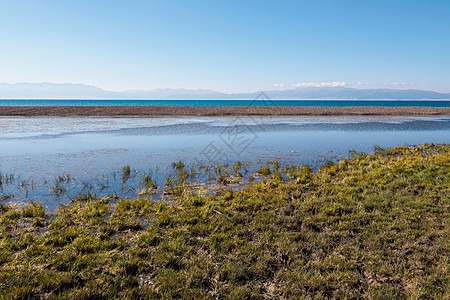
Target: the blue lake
pixel 213 103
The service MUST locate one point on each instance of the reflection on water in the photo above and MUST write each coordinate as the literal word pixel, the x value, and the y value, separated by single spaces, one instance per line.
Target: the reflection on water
pixel 92 151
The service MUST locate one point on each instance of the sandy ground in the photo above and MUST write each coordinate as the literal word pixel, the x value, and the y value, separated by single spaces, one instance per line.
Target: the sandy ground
pixel 154 111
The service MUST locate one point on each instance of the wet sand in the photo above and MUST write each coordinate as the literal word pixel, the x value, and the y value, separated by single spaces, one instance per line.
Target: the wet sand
pixel 155 111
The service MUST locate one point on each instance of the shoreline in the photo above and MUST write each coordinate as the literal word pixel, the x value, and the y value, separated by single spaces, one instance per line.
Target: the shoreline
pixel 347 228
pixel 156 111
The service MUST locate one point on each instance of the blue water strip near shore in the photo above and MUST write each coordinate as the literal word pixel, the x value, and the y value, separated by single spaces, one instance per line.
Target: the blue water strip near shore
pixel 219 103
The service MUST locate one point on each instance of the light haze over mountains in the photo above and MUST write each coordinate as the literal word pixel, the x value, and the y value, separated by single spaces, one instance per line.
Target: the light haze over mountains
pixel 81 91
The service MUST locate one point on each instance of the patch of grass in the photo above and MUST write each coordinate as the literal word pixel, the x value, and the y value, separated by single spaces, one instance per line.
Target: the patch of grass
pixel 34 210
pixel 150 185
pixel 372 226
pixel 265 171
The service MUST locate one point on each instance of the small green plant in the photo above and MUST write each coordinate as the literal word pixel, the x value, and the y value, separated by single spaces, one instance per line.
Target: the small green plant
pixel 6 178
pixel 149 183
pixel 237 169
pixel 126 173
pixel 64 178
pixel 218 170
pixel 265 170
pixel 178 166
pixel 291 171
pixel 305 174
pixel 88 197
pixel 183 176
pixel 276 166
pixel 225 180
pixel 58 189
pixel 192 173
pixel 169 185
pixel 277 175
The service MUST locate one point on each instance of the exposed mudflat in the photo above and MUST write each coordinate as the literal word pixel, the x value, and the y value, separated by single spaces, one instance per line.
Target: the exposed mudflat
pixel 153 111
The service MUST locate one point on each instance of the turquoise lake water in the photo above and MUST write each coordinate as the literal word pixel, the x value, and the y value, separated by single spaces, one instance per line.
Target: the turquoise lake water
pixel 332 103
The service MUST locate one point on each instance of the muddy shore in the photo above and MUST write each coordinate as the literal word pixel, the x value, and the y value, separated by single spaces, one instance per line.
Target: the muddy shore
pixel 154 111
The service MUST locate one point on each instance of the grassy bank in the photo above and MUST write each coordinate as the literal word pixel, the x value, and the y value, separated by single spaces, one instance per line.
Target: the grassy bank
pixel 373 226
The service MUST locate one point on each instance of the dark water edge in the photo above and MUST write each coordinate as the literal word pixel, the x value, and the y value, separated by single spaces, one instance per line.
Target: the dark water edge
pixel 219 103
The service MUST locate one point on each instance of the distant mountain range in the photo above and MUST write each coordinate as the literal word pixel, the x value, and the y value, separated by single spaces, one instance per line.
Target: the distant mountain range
pixel 81 91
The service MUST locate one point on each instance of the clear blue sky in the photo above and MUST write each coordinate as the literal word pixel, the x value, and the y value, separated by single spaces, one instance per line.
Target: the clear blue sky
pixel 228 46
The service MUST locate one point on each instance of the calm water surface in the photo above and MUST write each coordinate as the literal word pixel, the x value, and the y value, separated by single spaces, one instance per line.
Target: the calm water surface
pixel 94 150
pixel 332 103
